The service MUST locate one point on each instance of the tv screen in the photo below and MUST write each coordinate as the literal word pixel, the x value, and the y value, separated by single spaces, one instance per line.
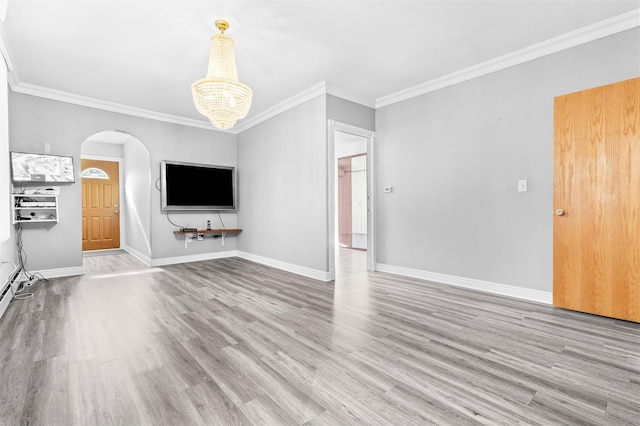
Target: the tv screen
pixel 189 186
pixel 28 167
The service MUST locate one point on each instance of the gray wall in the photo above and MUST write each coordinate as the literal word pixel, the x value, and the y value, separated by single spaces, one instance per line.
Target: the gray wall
pixel 7 236
pixel 282 164
pixel 8 254
pixel 348 112
pixel 35 121
pixel 138 190
pixel 6 209
pixel 454 156
pixel 103 149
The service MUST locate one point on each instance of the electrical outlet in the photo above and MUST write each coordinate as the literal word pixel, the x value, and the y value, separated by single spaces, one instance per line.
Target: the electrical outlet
pixel 200 237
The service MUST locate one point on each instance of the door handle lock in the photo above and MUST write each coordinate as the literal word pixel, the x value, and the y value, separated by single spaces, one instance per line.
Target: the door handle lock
pixel 560 212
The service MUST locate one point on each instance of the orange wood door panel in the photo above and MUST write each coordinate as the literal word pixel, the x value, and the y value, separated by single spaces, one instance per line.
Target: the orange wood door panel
pixel 100 207
pixel 596 242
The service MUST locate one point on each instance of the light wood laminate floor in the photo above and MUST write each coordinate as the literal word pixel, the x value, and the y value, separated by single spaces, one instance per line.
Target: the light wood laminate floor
pixel 233 342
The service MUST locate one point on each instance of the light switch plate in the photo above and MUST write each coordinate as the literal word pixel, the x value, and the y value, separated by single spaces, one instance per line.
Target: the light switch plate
pixel 388 189
pixel 522 185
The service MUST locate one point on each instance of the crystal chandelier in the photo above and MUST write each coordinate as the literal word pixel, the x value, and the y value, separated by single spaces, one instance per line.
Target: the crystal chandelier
pixel 220 96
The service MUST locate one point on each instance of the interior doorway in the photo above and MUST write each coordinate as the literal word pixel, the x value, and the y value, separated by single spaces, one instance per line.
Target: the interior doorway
pixel 134 187
pixel 100 204
pixel 350 200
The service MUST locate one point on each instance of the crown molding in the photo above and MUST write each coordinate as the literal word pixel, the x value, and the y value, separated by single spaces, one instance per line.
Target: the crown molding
pixel 72 98
pixel 5 52
pixel 602 29
pixel 322 88
pixel 584 35
pixel 293 101
pixel 334 90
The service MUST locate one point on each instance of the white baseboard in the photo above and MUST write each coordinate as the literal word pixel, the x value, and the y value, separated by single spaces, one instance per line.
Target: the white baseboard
pixel 8 297
pixel 289 267
pixel 135 253
pixel 486 286
pixel 4 302
pixel 192 258
pixel 60 272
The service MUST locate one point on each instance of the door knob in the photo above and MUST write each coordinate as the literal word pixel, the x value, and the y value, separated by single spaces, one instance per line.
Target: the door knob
pixel 560 212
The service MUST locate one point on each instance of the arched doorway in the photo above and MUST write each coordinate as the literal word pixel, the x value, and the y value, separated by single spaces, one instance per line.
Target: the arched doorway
pixel 132 206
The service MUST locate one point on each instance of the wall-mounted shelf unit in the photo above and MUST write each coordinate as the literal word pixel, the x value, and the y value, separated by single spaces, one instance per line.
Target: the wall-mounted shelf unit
pixel 35 208
pixel 199 234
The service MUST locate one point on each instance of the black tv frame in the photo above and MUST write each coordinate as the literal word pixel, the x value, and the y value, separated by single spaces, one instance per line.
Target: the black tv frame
pixel 201 186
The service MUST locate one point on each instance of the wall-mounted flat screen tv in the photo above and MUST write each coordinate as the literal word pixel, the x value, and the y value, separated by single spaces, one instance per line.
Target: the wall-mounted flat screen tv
pixel 29 167
pixel 190 186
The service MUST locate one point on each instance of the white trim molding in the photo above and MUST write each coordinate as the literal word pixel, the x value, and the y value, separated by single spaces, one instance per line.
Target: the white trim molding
pixel 319 89
pixel 60 272
pixel 470 283
pixel 8 297
pixel 312 92
pixel 6 54
pixel 332 89
pixel 291 102
pixel 332 191
pixel 288 267
pixel 138 255
pixel 596 31
pixel 164 261
pixel 580 36
pixel 72 98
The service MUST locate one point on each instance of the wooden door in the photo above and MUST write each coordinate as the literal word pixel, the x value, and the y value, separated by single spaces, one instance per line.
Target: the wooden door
pixel 596 232
pixel 344 202
pixel 100 205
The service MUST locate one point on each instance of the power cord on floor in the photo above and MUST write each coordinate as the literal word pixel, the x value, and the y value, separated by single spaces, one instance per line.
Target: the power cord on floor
pixel 32 278
pixel 17 294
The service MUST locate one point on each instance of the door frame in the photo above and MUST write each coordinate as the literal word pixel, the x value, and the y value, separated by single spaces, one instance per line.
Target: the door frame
pixel 340 207
pixel 332 193
pixel 120 162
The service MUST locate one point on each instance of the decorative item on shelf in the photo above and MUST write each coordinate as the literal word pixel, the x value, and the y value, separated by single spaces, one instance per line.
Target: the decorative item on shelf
pixel 220 96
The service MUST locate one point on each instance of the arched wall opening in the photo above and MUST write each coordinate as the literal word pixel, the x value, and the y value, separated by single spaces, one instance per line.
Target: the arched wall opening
pixel 135 179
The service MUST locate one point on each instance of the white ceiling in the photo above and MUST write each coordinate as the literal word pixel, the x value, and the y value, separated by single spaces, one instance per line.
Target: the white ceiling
pixel 146 53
